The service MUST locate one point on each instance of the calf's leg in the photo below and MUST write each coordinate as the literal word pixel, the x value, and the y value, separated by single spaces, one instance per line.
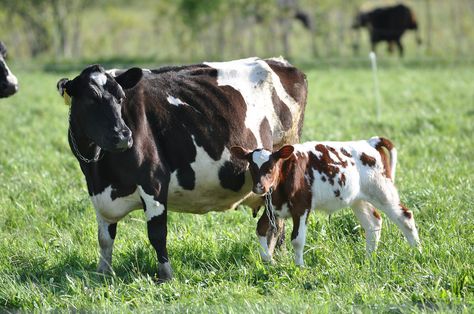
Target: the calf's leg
pixel 371 221
pixel 298 236
pixel 156 216
pixel 263 228
pixel 387 200
pixel 106 236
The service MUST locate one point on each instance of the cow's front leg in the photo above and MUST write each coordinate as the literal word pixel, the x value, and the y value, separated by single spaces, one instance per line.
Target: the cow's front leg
pixel 156 216
pixel 106 235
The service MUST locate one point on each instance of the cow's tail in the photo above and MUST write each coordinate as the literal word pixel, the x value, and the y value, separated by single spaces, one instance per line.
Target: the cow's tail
pixel 379 143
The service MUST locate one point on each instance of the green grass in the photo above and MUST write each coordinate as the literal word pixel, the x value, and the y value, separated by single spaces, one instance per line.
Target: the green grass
pixel 49 251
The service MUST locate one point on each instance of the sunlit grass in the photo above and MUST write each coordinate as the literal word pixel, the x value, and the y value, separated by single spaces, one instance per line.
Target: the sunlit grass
pixel 48 247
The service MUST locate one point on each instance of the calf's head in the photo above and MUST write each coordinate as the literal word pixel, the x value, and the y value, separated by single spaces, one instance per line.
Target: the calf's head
pixel 264 166
pixel 8 81
pixel 96 105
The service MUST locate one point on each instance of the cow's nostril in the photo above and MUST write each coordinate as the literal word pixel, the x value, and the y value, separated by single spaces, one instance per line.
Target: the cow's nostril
pixel 125 133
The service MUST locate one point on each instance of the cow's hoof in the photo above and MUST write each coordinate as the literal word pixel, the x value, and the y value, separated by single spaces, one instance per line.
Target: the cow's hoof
pixel 266 257
pixel 165 273
pixel 105 269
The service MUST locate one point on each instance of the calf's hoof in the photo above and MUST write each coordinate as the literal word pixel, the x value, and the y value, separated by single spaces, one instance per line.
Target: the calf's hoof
pixel 165 273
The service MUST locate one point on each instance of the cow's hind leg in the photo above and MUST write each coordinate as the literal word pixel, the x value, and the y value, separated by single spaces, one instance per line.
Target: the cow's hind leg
pixel 106 235
pixel 156 216
pixel 371 221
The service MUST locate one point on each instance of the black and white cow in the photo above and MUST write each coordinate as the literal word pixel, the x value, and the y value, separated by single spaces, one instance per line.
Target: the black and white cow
pixel 8 81
pixel 160 139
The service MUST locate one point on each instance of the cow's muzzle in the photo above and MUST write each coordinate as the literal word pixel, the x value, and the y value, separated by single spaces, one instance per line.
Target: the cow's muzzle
pixel 7 89
pixel 123 140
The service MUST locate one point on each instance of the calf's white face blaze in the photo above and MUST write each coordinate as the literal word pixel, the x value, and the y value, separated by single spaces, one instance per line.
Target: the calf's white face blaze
pixel 260 157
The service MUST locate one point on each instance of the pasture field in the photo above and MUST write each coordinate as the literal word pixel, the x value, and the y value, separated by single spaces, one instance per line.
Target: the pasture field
pixel 48 241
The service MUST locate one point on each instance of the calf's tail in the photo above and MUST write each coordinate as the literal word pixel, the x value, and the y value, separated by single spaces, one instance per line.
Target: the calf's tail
pixel 379 143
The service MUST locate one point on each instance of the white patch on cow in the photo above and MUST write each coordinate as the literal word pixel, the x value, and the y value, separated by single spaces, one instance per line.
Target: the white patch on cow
pixel 255 81
pixel 10 77
pixel 260 157
pixel 114 72
pixel 117 72
pixel 99 77
pixel 114 210
pixel 175 101
pixel 153 207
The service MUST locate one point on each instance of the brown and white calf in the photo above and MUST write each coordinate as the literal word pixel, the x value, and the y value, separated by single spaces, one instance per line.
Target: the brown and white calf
pixel 329 176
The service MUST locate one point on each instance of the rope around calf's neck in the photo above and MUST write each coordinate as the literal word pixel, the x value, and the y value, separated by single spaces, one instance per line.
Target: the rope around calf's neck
pixel 269 210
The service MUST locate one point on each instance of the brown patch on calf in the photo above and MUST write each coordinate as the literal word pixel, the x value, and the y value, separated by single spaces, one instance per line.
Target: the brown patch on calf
pixel 293 187
pixel 387 144
pixel 341 162
pixel 345 152
pixel 406 212
pixel 324 164
pixel 367 160
pixel 376 214
pixel 342 180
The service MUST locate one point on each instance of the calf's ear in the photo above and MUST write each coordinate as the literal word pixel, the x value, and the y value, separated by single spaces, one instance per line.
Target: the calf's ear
pixel 285 152
pixel 129 78
pixel 239 152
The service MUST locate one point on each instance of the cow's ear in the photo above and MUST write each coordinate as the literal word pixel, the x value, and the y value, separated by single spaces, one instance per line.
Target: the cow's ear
pixel 61 86
pixel 70 87
pixel 285 152
pixel 129 78
pixel 239 152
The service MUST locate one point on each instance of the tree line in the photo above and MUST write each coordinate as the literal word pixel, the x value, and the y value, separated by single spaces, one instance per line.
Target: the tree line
pixel 217 29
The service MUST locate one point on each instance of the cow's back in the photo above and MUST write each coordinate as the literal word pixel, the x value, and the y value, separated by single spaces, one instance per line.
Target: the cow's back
pixel 194 114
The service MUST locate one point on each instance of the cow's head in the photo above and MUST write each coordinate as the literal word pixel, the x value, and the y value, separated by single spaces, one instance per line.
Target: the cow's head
pixel 264 166
pixel 8 81
pixel 96 105
pixel 360 20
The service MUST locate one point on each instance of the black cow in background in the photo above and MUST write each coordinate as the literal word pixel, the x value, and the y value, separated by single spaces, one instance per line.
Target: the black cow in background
pixel 387 24
pixel 8 81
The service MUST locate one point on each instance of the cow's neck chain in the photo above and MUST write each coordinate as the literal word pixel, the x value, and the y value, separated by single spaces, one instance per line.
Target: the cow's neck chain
pixel 75 149
pixel 269 210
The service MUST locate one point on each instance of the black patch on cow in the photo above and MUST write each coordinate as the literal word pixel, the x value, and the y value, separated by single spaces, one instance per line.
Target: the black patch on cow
pixel 337 193
pixel 230 177
pixel 121 191
pixel 113 230
pixel 186 177
pixel 157 231
pixel 266 134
